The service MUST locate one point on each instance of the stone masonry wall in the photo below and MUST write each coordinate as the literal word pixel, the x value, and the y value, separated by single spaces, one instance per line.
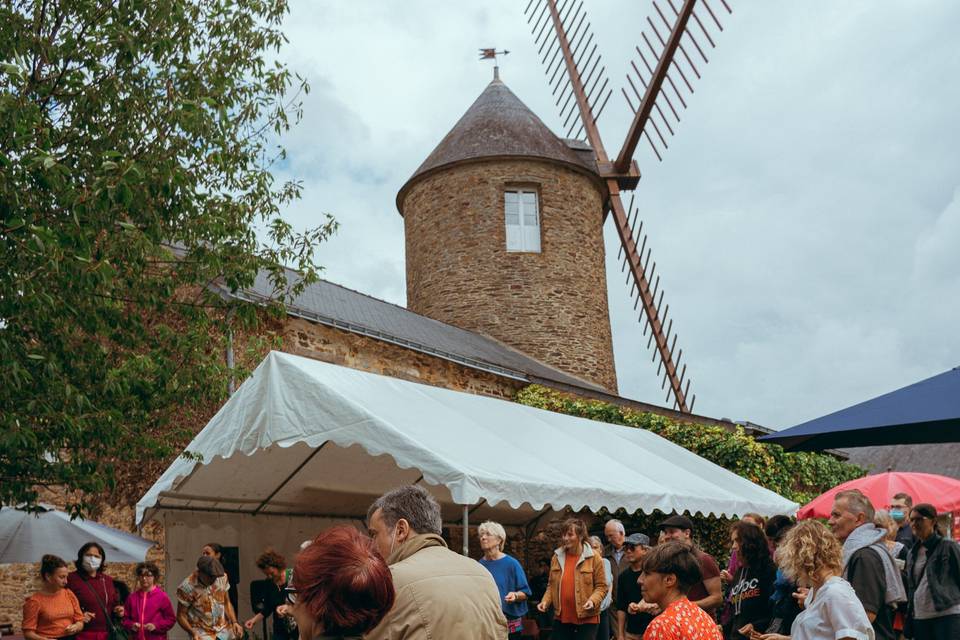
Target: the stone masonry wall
pixel 320 342
pixel 551 305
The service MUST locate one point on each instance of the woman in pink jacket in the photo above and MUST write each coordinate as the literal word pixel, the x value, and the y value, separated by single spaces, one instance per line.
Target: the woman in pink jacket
pixel 148 614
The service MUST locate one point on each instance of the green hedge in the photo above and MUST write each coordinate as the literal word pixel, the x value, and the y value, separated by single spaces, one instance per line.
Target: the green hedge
pixel 799 476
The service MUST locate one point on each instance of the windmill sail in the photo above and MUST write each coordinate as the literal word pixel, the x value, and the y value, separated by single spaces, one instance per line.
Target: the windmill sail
pixel 574 67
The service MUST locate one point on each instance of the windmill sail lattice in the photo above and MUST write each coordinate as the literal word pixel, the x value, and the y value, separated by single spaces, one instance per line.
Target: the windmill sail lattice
pixel 660 81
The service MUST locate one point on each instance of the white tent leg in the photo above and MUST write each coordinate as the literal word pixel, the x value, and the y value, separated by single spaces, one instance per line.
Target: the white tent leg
pixel 466 530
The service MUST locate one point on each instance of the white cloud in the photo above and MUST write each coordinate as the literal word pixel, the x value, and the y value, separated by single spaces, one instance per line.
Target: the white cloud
pixel 805 219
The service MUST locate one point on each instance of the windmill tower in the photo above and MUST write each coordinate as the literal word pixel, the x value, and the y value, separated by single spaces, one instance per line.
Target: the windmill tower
pixel 503 225
pixel 504 219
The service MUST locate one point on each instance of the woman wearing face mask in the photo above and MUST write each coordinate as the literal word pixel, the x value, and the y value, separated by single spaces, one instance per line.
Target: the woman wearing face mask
pixel 95 591
pixel 148 613
pixel 53 612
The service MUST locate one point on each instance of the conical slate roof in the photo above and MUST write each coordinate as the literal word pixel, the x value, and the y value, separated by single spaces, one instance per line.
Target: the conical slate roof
pixel 496 125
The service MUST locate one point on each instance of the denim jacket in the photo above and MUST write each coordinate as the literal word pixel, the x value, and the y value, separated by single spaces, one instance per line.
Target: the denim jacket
pixel 942 571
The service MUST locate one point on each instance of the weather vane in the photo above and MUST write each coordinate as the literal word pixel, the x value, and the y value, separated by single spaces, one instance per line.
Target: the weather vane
pixel 491 54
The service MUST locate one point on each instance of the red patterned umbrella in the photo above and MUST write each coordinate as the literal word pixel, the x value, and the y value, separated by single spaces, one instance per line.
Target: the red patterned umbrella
pixel 940 491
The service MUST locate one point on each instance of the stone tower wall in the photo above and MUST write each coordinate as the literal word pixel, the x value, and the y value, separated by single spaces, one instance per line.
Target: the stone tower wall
pixel 551 305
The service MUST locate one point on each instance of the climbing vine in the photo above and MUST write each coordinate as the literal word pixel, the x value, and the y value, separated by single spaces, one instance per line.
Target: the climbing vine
pixel 798 476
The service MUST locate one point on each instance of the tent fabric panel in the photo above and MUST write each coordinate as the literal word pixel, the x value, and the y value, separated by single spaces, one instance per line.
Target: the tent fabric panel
pixel 477 447
pixel 26 537
pixel 942 432
pixel 926 411
pixel 531 441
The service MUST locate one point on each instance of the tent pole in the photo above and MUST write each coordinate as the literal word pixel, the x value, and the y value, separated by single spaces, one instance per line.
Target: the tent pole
pixel 466 530
pixel 232 382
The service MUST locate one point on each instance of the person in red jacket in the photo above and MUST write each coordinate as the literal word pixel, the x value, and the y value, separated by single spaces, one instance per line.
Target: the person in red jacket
pixel 95 591
pixel 148 613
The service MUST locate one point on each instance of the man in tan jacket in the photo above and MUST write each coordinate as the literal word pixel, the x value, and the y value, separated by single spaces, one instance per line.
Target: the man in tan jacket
pixel 439 594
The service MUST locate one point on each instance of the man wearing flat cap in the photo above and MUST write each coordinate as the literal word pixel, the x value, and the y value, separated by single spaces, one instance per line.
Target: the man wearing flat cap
pixel 708 594
pixel 202 603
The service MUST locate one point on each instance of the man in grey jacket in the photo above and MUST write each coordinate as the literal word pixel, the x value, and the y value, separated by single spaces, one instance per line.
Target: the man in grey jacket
pixel 439 593
pixel 867 563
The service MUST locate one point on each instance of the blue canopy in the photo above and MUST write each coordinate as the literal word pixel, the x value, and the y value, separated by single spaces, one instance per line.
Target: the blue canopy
pixel 924 412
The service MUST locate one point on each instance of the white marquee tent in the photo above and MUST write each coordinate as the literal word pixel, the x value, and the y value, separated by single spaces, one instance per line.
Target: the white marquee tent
pixel 303 443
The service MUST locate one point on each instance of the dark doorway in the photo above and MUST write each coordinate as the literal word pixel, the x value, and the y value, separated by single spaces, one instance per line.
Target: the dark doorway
pixel 231 564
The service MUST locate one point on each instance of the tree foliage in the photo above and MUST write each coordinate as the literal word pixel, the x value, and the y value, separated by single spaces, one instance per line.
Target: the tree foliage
pixel 137 144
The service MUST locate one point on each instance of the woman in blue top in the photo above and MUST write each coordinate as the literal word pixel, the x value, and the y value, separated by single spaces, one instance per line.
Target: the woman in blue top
pixel 507 573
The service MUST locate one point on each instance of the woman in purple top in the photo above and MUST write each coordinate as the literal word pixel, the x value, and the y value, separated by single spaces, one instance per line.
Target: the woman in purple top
pixel 95 591
pixel 148 614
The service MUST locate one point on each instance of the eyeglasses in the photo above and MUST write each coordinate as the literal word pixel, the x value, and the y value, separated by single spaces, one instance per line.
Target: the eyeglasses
pixel 291 593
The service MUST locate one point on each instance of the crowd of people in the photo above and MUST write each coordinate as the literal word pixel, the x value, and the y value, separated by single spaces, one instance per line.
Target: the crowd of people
pixel 866 575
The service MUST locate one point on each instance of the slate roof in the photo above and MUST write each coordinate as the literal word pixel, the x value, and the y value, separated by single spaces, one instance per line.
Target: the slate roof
pixel 498 124
pixel 337 306
pixel 942 459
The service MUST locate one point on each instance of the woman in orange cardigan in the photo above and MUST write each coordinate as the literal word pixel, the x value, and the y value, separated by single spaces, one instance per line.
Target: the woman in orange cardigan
pixel 577 586
pixel 53 612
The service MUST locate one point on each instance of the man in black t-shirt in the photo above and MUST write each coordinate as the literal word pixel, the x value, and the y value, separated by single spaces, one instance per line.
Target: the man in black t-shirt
pixel 633 614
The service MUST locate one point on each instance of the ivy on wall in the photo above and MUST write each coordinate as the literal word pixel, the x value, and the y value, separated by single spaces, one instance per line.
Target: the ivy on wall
pixel 798 476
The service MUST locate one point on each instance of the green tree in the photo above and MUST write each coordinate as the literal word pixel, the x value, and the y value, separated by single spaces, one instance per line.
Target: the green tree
pixel 137 142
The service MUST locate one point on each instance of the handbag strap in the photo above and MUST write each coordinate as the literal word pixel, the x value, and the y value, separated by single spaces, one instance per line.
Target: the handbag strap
pixel 103 607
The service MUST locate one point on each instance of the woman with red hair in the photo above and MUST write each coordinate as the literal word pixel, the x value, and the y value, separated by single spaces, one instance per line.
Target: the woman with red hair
pixel 341 586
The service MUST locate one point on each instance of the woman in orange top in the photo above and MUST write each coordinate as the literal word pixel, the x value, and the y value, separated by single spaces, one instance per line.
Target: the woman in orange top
pixel 53 612
pixel 577 585
pixel 670 570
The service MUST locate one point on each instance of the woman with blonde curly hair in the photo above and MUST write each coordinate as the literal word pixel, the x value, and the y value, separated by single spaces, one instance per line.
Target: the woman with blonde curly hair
pixel 812 555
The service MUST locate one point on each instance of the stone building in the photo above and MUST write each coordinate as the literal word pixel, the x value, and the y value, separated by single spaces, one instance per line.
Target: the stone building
pixel 506 284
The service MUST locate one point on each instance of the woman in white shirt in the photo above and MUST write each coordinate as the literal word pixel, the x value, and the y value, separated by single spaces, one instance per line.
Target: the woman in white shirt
pixel 811 555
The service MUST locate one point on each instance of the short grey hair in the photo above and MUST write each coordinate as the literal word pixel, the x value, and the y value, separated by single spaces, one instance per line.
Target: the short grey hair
pixel 494 529
pixel 857 502
pixel 412 503
pixel 616 523
pixel 595 540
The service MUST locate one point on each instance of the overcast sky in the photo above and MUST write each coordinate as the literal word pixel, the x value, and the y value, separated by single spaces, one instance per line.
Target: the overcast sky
pixel 805 220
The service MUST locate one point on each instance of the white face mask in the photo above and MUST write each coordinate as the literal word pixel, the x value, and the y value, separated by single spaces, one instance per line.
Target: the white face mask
pixel 91 563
